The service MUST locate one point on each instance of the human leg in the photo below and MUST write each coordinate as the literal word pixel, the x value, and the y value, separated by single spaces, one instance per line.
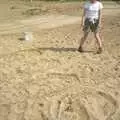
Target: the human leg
pixel 99 41
pixel 83 39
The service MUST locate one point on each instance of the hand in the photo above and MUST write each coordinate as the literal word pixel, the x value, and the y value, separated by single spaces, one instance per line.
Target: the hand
pixel 100 25
pixel 82 26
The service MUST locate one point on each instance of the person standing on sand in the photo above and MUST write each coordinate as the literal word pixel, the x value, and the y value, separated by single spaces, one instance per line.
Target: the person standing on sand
pixel 91 21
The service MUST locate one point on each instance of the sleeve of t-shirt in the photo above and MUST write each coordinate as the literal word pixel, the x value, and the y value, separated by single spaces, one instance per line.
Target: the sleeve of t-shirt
pixel 101 6
pixel 85 5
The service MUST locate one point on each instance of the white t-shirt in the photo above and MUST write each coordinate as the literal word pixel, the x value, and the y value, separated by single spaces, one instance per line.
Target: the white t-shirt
pixel 92 9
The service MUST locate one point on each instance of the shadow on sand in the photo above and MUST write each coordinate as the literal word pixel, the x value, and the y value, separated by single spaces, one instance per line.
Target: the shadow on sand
pixel 62 49
pixel 46 49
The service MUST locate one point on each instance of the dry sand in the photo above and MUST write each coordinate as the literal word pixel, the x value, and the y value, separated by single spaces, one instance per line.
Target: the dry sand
pixel 47 79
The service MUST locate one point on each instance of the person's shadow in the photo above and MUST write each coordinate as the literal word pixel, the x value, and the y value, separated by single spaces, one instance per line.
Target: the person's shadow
pixel 58 49
pixel 47 49
pixel 62 49
pixel 55 50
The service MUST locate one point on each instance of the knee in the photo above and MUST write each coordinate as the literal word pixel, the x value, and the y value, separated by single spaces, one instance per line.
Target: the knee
pixel 85 35
pixel 96 35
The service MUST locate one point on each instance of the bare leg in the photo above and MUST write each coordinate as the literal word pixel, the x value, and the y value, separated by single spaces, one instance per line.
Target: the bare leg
pixel 99 42
pixel 83 39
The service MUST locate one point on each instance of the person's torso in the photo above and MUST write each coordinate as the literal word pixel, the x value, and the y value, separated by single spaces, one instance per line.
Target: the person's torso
pixel 92 10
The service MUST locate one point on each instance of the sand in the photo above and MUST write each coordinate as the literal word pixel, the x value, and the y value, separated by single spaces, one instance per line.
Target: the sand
pixel 48 79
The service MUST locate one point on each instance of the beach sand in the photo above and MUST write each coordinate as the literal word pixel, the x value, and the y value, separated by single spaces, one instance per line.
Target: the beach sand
pixel 48 79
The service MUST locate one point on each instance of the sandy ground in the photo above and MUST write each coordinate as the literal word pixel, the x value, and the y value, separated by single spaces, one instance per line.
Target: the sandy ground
pixel 47 79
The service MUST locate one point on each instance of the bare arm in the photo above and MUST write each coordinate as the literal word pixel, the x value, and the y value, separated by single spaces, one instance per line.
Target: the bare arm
pixel 100 17
pixel 83 17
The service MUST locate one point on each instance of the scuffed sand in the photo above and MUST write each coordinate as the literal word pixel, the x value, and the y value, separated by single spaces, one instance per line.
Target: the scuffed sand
pixel 47 79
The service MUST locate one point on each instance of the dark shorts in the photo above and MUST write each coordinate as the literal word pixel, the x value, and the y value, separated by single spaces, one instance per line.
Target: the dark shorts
pixel 91 26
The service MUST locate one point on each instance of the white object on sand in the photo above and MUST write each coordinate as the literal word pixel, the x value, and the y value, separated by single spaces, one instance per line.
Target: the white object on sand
pixel 28 36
